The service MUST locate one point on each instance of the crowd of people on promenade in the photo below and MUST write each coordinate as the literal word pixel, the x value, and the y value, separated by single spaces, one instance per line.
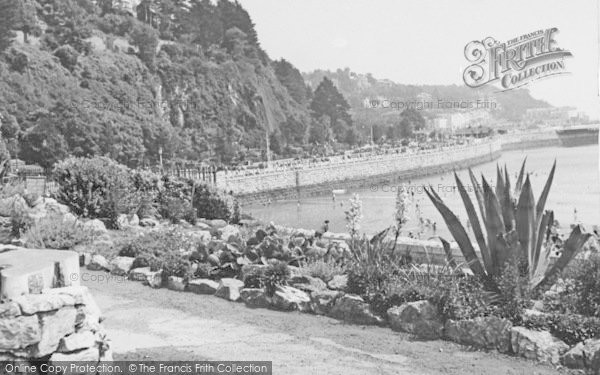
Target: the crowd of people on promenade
pixel 359 154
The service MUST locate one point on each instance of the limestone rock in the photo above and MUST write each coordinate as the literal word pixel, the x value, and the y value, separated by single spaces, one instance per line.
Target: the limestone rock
pixel 202 226
pixel 34 303
pixel 90 355
pixel 121 265
pixel 574 358
pixel 488 333
pixel 124 221
pixel 154 279
pixel 9 309
pixel 19 332
pixel 149 222
pixel 307 283
pixel 96 226
pixel 338 282
pixel 176 283
pixel 322 301
pixel 139 273
pixel 538 345
pixel 252 269
pixel 77 341
pixel 229 289
pixel 420 318
pixel 98 263
pixel 11 204
pixel 203 286
pixel 353 309
pixel 229 233
pixel 55 325
pixel 591 353
pixel 255 297
pixel 288 298
pixel 217 223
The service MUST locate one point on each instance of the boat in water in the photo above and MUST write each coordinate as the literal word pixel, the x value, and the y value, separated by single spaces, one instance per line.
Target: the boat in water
pixel 579 135
pixel 339 191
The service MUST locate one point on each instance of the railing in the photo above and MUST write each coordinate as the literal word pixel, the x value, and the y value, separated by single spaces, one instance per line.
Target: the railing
pixel 339 170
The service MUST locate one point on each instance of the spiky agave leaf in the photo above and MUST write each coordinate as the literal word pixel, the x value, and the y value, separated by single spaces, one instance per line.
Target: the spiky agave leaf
pixel 458 232
pixel 572 245
pixel 543 235
pixel 506 204
pixel 494 225
pixel 478 194
pixel 542 201
pixel 519 183
pixel 526 223
pixel 483 248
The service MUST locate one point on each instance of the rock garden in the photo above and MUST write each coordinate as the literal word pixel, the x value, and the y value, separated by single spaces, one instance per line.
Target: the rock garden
pixel 517 292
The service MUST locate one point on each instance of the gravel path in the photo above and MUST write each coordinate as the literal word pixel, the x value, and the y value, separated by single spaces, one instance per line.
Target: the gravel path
pixel 145 323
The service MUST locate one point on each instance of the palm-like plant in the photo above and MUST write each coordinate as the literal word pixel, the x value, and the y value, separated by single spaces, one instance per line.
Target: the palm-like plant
pixel 516 230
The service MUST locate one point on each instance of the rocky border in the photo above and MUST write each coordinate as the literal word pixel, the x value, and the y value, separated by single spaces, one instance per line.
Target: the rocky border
pixel 312 295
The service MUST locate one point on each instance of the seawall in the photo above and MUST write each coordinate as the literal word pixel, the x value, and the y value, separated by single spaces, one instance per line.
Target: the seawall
pixel 299 183
pixel 525 141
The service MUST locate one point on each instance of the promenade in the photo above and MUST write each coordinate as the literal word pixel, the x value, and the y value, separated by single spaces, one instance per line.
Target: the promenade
pixel 340 169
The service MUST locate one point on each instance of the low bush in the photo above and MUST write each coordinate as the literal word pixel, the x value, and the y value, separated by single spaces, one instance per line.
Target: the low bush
pixel 89 186
pixel 211 204
pixel 324 270
pixel 166 249
pixel 583 288
pixel 570 328
pixel 275 275
pixel 52 232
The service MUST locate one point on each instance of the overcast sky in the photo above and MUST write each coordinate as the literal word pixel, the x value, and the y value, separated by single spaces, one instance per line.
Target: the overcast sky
pixel 422 41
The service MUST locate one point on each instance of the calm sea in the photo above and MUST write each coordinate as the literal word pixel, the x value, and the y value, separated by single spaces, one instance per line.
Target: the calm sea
pixel 574 197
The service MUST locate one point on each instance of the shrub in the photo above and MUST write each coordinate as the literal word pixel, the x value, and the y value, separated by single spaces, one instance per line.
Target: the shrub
pixel 275 275
pixel 67 56
pixel 584 288
pixel 570 328
pixel 211 204
pixel 52 232
pixel 165 249
pixel 86 185
pixel 176 194
pixel 324 270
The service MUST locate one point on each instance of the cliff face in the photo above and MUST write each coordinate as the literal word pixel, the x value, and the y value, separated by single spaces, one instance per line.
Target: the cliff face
pixel 128 111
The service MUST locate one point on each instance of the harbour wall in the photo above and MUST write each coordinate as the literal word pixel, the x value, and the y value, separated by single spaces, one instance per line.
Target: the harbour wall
pixel 299 183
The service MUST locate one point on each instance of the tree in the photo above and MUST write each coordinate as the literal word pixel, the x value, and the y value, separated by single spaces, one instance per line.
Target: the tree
pixel 319 130
pixel 8 22
pixel 294 131
pixel 26 18
pixel 43 145
pixel 146 39
pixel 327 101
pixel 275 143
pixel 233 15
pixel 235 42
pixel 203 24
pixel 292 80
pixel 67 56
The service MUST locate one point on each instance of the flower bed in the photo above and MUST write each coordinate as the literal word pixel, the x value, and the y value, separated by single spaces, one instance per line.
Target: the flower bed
pixel 265 269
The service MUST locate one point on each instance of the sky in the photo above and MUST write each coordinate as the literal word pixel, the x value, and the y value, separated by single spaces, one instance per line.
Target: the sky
pixel 423 41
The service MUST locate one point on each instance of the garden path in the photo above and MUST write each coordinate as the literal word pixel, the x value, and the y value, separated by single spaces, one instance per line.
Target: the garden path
pixel 159 324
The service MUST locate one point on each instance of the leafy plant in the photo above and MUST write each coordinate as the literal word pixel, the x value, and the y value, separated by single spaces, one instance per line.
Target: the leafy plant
pixel 516 230
pixel 52 232
pixel 275 275
pixel 323 269
pixel 570 328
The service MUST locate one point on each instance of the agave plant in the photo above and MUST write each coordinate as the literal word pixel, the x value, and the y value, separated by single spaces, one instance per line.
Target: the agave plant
pixel 514 229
